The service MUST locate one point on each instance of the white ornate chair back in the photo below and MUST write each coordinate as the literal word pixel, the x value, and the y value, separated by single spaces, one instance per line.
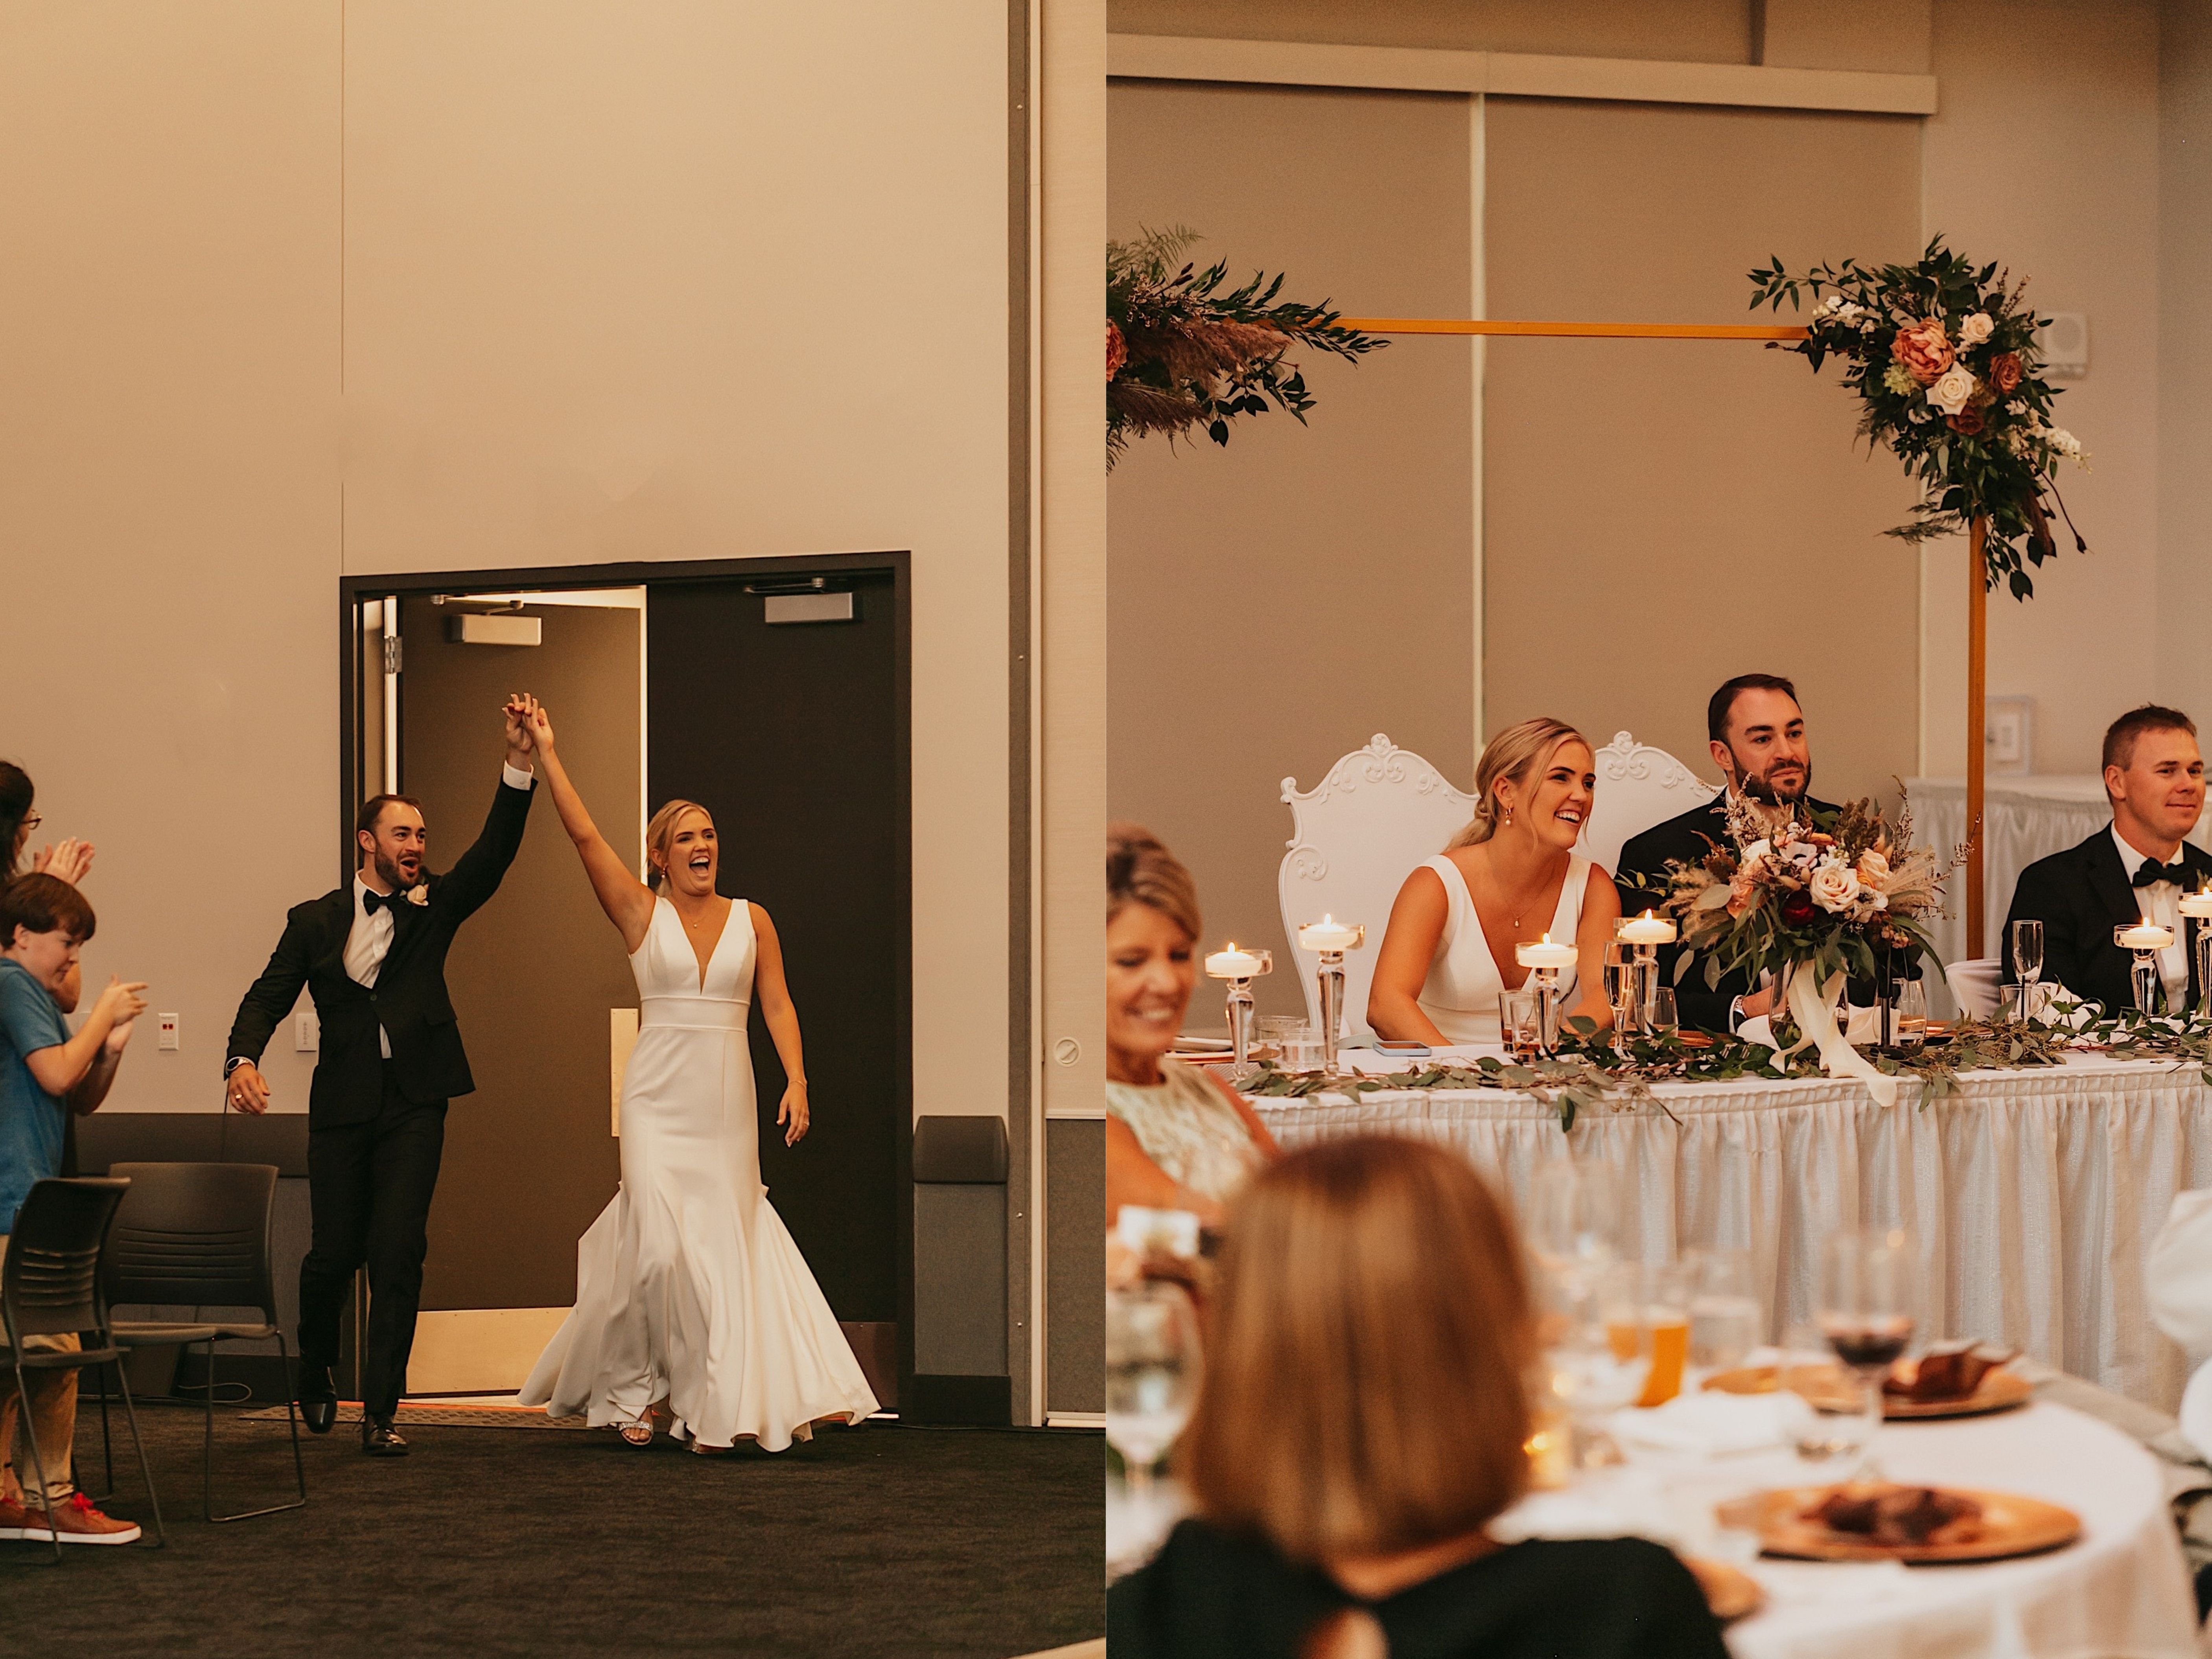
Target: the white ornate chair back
pixel 1355 837
pixel 1638 787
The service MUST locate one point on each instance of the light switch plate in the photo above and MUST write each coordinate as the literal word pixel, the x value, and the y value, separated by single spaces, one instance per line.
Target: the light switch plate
pixel 307 1032
pixel 167 1024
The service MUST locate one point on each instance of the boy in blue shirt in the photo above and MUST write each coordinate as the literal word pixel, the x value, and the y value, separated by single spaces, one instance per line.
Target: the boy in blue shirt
pixel 46 1073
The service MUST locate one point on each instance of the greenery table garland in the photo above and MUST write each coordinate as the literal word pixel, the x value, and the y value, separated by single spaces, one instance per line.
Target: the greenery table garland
pixel 1588 1071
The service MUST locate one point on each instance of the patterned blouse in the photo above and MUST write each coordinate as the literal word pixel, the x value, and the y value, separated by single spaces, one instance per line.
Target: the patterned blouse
pixel 1186 1124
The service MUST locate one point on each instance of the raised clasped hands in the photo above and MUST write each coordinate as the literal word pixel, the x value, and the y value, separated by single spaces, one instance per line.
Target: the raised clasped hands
pixel 529 713
pixel 247 1090
pixel 514 711
pixel 792 1114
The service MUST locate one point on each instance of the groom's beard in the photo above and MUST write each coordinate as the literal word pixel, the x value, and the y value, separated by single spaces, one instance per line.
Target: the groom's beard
pixel 1761 788
pixel 389 873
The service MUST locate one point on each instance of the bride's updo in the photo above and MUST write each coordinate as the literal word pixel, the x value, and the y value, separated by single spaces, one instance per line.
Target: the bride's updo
pixel 1521 753
pixel 660 833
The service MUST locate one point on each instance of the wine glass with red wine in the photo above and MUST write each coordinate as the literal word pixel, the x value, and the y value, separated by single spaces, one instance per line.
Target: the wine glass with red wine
pixel 1867 1311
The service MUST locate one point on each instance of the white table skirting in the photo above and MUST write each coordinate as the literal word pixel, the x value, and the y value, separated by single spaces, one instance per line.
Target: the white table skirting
pixel 2033 1195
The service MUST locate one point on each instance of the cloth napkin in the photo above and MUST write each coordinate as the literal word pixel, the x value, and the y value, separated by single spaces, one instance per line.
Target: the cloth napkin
pixel 1706 1424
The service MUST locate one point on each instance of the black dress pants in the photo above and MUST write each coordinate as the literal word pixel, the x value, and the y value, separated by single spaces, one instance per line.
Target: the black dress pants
pixel 369 1185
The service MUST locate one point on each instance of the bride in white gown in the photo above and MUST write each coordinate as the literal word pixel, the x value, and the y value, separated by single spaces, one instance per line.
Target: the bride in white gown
pixel 688 1290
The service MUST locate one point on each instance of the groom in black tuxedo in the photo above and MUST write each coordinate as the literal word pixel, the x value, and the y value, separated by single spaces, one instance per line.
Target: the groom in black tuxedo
pixel 2140 867
pixel 1756 733
pixel 372 956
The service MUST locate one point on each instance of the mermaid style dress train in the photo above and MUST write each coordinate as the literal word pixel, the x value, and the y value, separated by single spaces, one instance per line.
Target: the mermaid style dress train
pixel 688 1286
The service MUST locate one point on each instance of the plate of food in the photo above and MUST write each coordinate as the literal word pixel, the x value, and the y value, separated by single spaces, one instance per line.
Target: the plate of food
pixel 1950 1381
pixel 1920 1526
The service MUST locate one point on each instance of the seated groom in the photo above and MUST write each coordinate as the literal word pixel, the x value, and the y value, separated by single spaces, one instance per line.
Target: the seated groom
pixel 2140 867
pixel 1756 733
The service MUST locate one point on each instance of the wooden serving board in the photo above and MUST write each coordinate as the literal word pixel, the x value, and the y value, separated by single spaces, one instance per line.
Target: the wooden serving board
pixel 2010 1526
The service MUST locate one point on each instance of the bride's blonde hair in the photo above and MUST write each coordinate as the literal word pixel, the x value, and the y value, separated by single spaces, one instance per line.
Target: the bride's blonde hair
pixel 1519 752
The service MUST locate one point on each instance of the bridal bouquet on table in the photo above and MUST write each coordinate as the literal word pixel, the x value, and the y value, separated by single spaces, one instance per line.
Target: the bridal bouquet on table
pixel 1813 897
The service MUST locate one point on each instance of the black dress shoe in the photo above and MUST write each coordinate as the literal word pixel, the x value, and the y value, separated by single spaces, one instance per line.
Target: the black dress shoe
pixel 319 1399
pixel 379 1439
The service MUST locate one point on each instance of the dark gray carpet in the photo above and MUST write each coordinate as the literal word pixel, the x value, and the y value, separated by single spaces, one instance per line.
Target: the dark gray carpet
pixel 875 1540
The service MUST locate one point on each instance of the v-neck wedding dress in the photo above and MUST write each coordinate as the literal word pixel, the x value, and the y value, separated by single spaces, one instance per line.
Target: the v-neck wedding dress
pixel 688 1286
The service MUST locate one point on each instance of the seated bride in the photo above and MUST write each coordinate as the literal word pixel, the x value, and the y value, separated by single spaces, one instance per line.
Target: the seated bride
pixel 1511 876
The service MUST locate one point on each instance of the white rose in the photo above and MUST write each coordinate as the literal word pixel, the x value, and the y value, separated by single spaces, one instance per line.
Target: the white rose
pixel 1975 329
pixel 1833 887
pixel 1954 391
pixel 418 896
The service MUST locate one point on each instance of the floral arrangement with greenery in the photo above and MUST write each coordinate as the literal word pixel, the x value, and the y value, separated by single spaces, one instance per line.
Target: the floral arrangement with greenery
pixel 1841 891
pixel 1950 380
pixel 1181 352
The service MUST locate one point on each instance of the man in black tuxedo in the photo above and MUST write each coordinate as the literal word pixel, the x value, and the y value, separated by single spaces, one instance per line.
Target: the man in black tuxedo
pixel 372 956
pixel 1756 733
pixel 2140 866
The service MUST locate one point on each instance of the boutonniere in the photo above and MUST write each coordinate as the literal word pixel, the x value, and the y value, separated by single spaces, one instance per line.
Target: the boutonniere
pixel 419 893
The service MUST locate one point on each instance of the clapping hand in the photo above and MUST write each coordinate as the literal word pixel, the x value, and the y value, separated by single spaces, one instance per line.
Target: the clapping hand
pixel 792 1114
pixel 69 859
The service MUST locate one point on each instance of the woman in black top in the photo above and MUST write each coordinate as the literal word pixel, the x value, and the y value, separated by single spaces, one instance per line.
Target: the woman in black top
pixel 1361 1421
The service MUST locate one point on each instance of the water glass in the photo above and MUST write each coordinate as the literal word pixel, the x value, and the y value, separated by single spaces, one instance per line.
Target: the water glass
pixel 1573 1222
pixel 1293 1041
pixel 1727 1318
pixel 1151 1375
pixel 1816 1403
pixel 2027 951
pixel 1665 1019
pixel 1517 1027
pixel 1911 1013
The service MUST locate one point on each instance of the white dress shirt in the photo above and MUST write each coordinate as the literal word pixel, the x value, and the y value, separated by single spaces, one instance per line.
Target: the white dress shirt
pixel 2162 903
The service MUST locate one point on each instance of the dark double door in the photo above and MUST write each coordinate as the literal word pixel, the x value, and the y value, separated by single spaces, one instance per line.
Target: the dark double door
pixel 793 737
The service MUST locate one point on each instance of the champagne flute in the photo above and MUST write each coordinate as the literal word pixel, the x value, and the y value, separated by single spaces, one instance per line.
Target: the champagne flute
pixel 1867 1311
pixel 1151 1375
pixel 1621 986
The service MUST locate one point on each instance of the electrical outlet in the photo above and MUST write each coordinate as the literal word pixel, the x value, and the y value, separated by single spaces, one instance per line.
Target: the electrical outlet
pixel 167 1024
pixel 307 1032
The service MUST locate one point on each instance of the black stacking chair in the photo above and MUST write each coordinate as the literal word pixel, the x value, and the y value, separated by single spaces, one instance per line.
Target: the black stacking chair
pixel 50 1286
pixel 197 1235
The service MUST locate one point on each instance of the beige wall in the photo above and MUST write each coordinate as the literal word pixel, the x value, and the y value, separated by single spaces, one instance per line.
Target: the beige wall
pixel 2184 356
pixel 1664 514
pixel 2069 197
pixel 1276 603
pixel 672 281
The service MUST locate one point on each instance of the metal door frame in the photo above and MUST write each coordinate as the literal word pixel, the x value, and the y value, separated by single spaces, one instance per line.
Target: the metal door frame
pixel 355 591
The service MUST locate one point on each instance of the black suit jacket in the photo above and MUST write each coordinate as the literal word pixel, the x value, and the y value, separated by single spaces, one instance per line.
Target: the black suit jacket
pixel 409 999
pixel 2080 895
pixel 1643 880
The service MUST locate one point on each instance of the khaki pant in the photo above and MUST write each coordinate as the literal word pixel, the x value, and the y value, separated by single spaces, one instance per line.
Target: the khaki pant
pixel 53 1415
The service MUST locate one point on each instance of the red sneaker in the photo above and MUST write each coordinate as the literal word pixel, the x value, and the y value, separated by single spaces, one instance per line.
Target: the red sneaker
pixel 15 1521
pixel 78 1523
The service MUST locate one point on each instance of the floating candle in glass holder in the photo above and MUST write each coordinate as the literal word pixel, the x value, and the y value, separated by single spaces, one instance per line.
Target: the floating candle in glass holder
pixel 1240 968
pixel 1329 938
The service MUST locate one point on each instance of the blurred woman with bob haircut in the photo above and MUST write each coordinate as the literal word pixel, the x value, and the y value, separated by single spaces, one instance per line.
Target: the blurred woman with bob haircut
pixel 1361 1421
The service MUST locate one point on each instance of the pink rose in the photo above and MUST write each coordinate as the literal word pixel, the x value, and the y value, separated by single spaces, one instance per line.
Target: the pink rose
pixel 1925 349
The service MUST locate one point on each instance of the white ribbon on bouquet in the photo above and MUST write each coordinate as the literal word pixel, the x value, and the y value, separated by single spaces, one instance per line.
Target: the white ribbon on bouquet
pixel 1814 1006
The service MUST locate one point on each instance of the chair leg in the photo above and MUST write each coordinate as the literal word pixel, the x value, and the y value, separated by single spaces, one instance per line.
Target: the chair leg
pixel 291 1412
pixel 207 1441
pixel 38 1458
pixel 145 1471
pixel 107 1443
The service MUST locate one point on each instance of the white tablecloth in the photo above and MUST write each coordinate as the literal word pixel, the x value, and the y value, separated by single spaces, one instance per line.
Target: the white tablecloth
pixel 2033 1195
pixel 2121 1591
pixel 2023 819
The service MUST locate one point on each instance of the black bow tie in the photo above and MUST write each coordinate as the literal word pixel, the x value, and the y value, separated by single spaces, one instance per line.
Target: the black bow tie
pixel 2150 870
pixel 372 900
